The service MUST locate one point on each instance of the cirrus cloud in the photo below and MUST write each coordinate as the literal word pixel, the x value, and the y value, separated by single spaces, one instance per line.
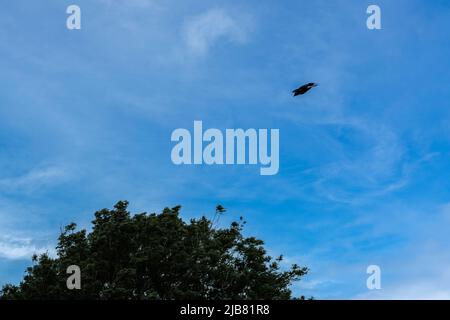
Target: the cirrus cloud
pixel 203 30
pixel 14 248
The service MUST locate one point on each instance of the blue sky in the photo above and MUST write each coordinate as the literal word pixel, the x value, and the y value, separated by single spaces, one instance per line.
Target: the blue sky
pixel 86 117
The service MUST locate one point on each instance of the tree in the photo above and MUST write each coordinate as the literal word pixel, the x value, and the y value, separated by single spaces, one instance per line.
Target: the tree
pixel 157 256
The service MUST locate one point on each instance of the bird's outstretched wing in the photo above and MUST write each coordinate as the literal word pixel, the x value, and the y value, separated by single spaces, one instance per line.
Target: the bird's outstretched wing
pixel 305 88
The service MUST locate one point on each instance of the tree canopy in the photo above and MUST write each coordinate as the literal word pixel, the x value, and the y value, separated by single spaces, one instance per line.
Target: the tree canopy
pixel 157 256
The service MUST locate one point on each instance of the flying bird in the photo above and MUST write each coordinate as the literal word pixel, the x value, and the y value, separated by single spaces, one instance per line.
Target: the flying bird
pixel 304 89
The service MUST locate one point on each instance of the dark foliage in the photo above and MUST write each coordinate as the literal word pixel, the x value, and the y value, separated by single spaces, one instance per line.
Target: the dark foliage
pixel 157 256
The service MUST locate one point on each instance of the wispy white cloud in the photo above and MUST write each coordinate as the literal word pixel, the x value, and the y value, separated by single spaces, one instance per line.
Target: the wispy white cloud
pixel 135 3
pixel 203 30
pixel 416 269
pixel 35 179
pixel 415 291
pixel 16 248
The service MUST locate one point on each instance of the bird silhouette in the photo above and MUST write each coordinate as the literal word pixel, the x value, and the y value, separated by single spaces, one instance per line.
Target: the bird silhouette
pixel 304 89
